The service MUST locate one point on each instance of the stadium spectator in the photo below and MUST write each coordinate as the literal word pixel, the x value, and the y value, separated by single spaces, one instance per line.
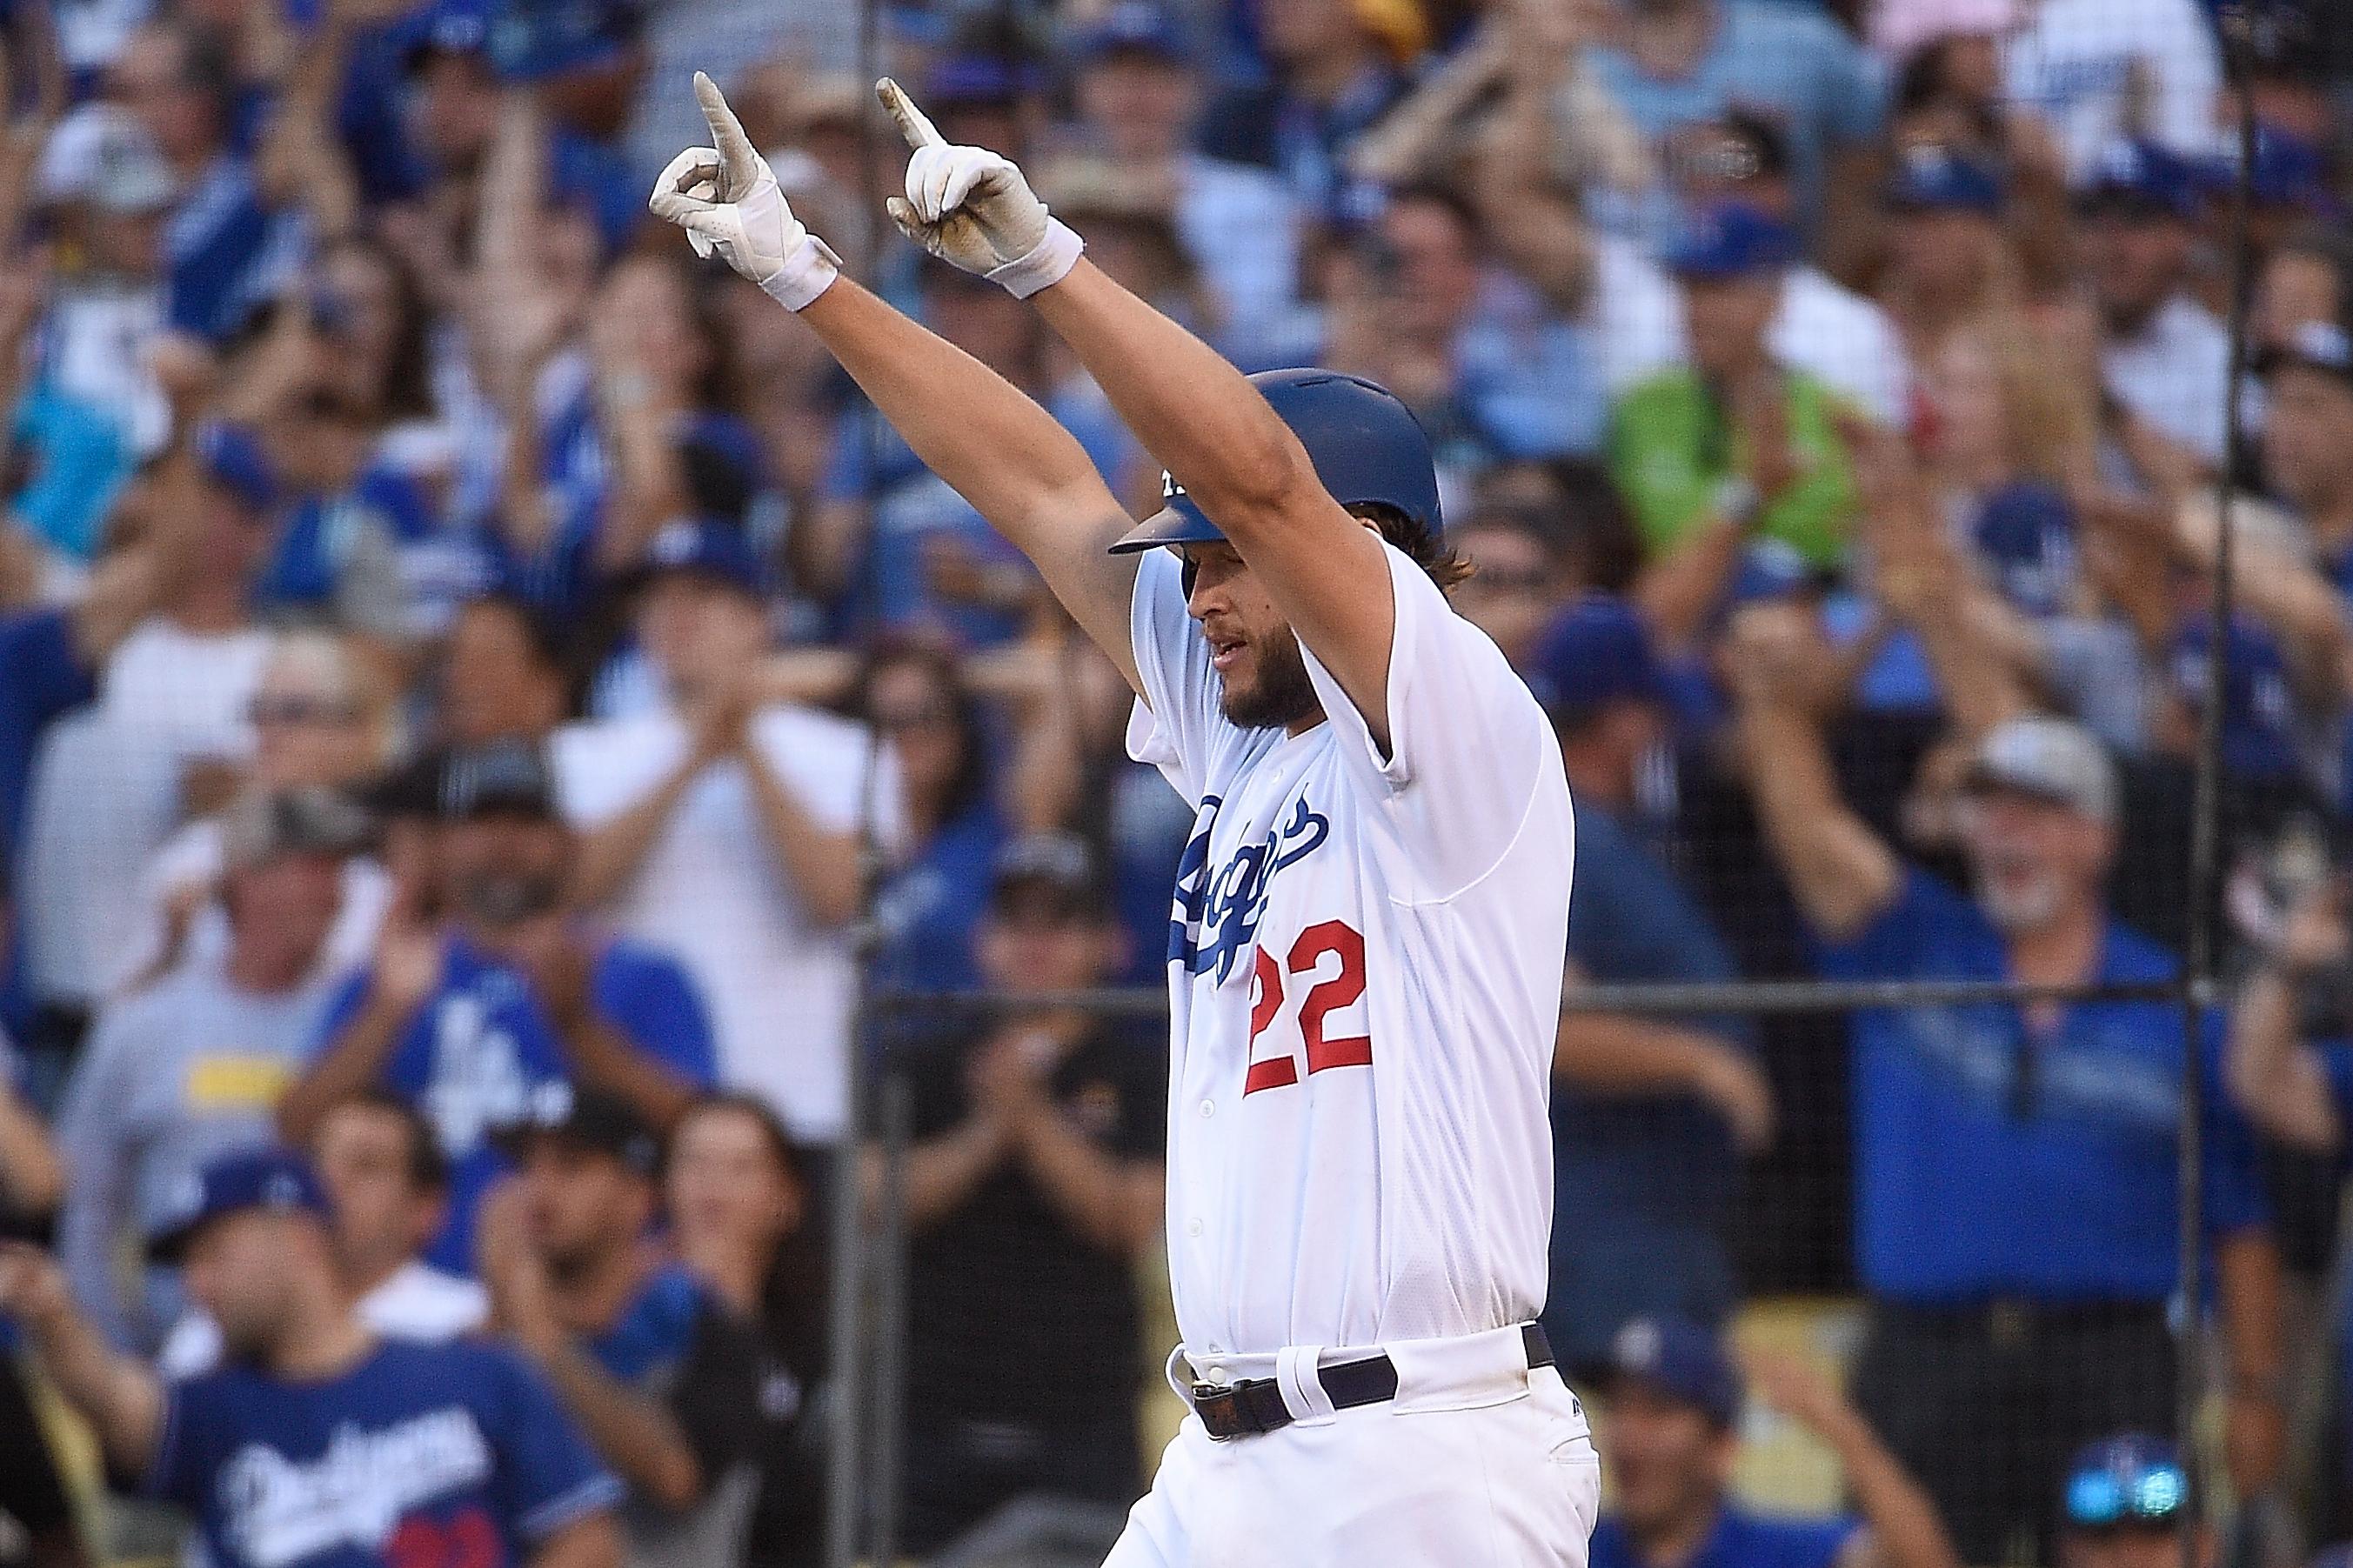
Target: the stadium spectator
pixel 2306 279
pixel 2121 1507
pixel 725 830
pixel 1681 63
pixel 663 1378
pixel 504 674
pixel 395 1447
pixel 1738 443
pixel 387 1189
pixel 2308 437
pixel 1490 370
pixel 2096 71
pixel 223 248
pixel 1033 1184
pixel 741 1222
pixel 1336 68
pixel 2291 1065
pixel 2164 358
pixel 194 1066
pixel 506 999
pixel 1138 96
pixel 324 717
pixel 915 698
pixel 340 386
pixel 1671 1431
pixel 1949 259
pixel 1970 1118
pixel 49 663
pixel 1820 326
pixel 1650 1117
pixel 1527 568
pixel 169 728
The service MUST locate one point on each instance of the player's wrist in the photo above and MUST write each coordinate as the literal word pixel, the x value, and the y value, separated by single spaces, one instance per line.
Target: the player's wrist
pixel 807 270
pixel 1046 263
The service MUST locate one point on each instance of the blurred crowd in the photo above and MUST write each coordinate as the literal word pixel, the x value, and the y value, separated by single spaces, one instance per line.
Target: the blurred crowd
pixel 480 696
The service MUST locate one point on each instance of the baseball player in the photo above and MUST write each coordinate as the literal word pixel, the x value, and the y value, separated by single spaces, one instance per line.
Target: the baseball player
pixel 1365 947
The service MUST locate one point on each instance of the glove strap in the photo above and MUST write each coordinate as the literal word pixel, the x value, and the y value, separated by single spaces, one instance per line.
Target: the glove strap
pixel 806 273
pixel 1048 262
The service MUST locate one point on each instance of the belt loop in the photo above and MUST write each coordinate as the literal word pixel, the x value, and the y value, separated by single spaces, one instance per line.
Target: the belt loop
pixel 1183 1386
pixel 1302 1391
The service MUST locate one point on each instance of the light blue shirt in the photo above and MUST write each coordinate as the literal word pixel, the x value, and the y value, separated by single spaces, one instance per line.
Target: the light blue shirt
pixel 1791 62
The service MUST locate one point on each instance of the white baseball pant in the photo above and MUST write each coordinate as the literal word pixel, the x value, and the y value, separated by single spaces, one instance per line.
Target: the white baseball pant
pixel 1477 1463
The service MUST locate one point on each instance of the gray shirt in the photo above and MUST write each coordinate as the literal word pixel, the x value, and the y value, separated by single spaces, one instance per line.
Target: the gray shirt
pixel 174 1075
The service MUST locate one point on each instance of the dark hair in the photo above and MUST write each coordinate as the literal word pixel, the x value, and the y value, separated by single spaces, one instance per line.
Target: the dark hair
pixel 408 374
pixel 429 1163
pixel 1423 545
pixel 970 785
pixel 1432 194
pixel 1608 545
pixel 793 1297
pixel 208 62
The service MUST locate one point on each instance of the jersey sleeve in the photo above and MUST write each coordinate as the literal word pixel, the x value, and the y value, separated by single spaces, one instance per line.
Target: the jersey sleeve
pixel 654 1002
pixel 1177 720
pixel 2231 1167
pixel 1469 747
pixel 1893 946
pixel 547 1476
pixel 185 1454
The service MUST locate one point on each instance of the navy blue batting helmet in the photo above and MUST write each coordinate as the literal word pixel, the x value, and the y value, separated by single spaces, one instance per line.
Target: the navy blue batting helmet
pixel 1366 446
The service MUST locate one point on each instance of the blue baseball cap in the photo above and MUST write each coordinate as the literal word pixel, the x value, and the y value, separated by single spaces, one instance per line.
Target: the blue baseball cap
pixel 2027 534
pixel 446 27
pixel 235 461
pixel 1366 443
pixel 1937 179
pixel 2139 178
pixel 2131 1478
pixel 277 1179
pixel 1597 651
pixel 1135 28
pixel 534 40
pixel 2259 714
pixel 704 545
pixel 1681 1360
pixel 979 78
pixel 1730 240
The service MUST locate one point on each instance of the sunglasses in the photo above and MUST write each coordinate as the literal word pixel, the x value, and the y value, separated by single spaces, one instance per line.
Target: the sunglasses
pixel 2102 1498
pixel 295 710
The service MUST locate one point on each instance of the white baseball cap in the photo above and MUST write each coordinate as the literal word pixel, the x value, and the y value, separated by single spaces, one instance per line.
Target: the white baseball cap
pixel 2054 759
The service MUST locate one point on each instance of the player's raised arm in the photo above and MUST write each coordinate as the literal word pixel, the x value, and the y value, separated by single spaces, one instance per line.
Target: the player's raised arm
pixel 1199 415
pixel 1008 457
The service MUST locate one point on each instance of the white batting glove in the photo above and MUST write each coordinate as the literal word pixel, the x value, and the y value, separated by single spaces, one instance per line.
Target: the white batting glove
pixel 727 201
pixel 973 209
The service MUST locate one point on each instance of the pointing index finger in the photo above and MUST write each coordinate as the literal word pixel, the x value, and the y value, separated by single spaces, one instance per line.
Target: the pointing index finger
pixel 918 130
pixel 736 154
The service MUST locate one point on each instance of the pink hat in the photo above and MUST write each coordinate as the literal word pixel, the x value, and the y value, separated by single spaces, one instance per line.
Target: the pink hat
pixel 1900 26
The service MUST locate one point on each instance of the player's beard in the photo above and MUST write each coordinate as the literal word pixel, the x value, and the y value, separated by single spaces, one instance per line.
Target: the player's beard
pixel 1281 695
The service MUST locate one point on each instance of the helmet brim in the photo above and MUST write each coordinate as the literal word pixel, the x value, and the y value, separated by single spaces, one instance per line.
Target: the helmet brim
pixel 1178 523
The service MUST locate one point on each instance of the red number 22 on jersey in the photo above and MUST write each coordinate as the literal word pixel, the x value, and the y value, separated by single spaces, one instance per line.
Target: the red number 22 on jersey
pixel 1306 956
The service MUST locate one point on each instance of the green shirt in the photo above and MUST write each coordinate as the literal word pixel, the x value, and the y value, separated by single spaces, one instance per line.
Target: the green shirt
pixel 1671 446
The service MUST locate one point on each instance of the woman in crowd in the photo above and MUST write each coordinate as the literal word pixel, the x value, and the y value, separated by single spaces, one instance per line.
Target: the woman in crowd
pixel 741 1220
pixel 914 695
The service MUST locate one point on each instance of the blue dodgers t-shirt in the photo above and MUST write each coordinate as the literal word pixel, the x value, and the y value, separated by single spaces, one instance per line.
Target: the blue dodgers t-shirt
pixel 453 1456
pixel 1989 1163
pixel 474 1055
pixel 655 1330
pixel 927 913
pixel 1738 1540
pixel 1643 1185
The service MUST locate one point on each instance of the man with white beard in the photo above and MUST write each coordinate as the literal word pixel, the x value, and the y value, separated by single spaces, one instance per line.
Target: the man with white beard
pixel 2015 1166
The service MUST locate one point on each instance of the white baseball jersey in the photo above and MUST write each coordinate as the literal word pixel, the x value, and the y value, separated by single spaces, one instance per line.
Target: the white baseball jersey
pixel 1365 972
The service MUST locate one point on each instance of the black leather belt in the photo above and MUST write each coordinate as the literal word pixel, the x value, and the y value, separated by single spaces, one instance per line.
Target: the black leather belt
pixel 1254 1405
